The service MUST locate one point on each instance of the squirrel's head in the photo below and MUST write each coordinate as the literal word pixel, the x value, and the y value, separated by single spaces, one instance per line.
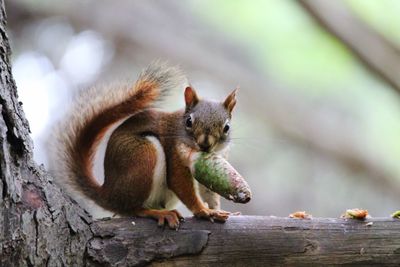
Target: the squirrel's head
pixel 208 122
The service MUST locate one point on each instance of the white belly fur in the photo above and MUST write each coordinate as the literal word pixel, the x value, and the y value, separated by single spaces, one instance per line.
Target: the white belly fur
pixel 160 197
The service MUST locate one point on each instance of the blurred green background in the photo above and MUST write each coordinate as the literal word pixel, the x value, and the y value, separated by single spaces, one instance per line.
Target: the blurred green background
pixel 314 128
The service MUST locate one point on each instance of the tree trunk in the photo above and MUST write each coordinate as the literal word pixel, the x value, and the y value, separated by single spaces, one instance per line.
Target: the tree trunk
pixel 41 226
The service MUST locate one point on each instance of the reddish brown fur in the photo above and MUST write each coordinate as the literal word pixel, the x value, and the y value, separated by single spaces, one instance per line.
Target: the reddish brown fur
pixel 191 97
pixel 182 183
pixel 230 101
pixel 129 164
pixel 92 133
pixel 131 158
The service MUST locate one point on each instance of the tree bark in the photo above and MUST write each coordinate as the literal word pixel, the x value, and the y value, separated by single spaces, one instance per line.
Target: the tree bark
pixel 251 241
pixel 41 226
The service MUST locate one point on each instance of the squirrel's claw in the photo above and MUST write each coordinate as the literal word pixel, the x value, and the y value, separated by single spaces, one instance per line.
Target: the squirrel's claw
pixel 161 221
pixel 180 217
pixel 213 215
pixel 173 219
pixel 170 217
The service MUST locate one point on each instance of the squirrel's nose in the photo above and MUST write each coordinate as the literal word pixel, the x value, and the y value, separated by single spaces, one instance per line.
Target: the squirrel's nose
pixel 205 147
pixel 206 142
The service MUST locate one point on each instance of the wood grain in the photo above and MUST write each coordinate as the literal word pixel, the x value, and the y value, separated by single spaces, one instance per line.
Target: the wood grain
pixel 254 241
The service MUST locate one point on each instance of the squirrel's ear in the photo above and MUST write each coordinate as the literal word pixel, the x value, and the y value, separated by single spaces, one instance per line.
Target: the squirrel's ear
pixel 230 100
pixel 191 98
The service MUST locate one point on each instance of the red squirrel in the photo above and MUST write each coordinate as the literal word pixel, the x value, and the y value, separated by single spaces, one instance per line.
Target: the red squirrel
pixel 143 173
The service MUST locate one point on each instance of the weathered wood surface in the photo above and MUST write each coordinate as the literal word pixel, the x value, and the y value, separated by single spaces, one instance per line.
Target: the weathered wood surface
pixel 250 241
pixel 119 242
pixel 39 225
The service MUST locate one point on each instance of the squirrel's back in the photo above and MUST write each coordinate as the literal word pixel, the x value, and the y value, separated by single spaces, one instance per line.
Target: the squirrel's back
pixel 74 142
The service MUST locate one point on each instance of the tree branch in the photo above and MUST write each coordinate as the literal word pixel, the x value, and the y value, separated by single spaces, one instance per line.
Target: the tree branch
pixel 248 241
pixel 40 226
pixel 378 54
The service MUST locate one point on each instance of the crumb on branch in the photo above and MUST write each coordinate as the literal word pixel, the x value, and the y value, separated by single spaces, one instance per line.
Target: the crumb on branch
pixel 300 215
pixel 355 214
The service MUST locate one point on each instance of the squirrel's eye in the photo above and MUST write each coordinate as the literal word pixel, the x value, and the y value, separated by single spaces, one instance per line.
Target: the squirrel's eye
pixel 189 122
pixel 226 128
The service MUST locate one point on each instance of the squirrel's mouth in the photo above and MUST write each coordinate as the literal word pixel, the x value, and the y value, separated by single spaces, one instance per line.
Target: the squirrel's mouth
pixel 205 148
pixel 206 142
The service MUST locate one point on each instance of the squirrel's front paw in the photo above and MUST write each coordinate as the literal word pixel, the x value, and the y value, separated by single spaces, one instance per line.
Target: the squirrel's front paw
pixel 210 214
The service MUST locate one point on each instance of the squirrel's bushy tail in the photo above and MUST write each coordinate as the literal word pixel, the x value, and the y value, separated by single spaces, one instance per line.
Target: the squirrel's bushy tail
pixel 95 110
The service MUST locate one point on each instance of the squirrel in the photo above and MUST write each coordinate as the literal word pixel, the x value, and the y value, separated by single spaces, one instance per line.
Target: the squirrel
pixel 143 172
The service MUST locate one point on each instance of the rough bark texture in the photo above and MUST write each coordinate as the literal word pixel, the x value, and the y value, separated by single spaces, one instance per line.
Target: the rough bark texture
pixel 248 241
pixel 135 242
pixel 38 225
pixel 271 241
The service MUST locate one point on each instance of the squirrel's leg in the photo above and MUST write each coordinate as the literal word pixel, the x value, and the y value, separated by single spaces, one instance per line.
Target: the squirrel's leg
pixel 129 168
pixel 212 199
pixel 181 182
